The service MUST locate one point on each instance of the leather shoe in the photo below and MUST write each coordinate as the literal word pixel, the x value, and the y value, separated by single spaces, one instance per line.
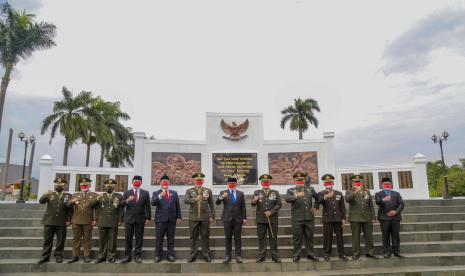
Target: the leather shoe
pixel 227 259
pixel 112 260
pixel 138 260
pixel 86 260
pixel 355 258
pixel 387 255
pixel 276 260
pixel 208 259
pixel 327 257
pixel 191 259
pixel 260 259
pixel 73 260
pixel 157 259
pixel 238 259
pixel 125 260
pixel 343 257
pixel 312 257
pixel 398 255
pixel 371 256
pixel 296 259
pixel 100 260
pixel 58 260
pixel 42 261
pixel 171 258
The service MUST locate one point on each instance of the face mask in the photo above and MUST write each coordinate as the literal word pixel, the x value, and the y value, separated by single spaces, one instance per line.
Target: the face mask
pixel 136 184
pixel 357 184
pixel 165 185
pixel 59 189
pixel 329 186
pixel 232 186
pixel 110 190
pixel 198 182
pixel 300 182
pixel 265 185
pixel 387 186
pixel 84 188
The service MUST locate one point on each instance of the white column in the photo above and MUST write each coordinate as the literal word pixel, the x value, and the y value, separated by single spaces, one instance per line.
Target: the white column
pixel 420 178
pixel 139 141
pixel 330 158
pixel 46 176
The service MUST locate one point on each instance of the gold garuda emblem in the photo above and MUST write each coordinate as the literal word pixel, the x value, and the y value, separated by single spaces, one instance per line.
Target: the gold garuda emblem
pixel 234 130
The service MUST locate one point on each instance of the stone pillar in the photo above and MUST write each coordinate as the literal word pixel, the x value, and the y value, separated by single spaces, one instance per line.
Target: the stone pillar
pixel 46 176
pixel 139 142
pixel 420 178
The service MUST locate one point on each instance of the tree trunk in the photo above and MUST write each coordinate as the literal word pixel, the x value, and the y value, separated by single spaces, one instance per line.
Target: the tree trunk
pixel 102 153
pixel 301 134
pixel 7 165
pixel 3 88
pixel 88 154
pixel 65 153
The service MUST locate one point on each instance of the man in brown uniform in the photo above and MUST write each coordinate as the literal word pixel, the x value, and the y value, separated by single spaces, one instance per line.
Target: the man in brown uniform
pixel 334 217
pixel 109 216
pixel 83 219
pixel 201 214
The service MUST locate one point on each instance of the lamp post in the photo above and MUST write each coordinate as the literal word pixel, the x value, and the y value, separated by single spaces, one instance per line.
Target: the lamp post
pixel 26 141
pixel 440 139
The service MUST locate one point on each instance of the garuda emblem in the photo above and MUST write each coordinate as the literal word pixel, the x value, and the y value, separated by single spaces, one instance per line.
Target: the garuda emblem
pixel 234 130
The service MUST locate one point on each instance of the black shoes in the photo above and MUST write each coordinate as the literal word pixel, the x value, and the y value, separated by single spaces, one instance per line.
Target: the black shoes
pixel 238 259
pixel 42 261
pixel 208 259
pixel 138 260
pixel 398 255
pixel 125 260
pixel 227 259
pixel 171 259
pixel 276 260
pixel 327 258
pixel 100 260
pixel 387 255
pixel 371 256
pixel 343 257
pixel 86 260
pixel 73 260
pixel 295 259
pixel 356 257
pixel 260 259
pixel 112 260
pixel 191 259
pixel 312 257
pixel 157 259
pixel 59 260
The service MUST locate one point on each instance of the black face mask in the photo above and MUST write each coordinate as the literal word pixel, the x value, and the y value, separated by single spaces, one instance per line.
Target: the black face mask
pixel 59 189
pixel 110 190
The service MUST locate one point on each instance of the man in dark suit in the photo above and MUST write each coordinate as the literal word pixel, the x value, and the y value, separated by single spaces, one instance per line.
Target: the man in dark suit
pixel 334 217
pixel 137 215
pixel 390 206
pixel 234 215
pixel 167 215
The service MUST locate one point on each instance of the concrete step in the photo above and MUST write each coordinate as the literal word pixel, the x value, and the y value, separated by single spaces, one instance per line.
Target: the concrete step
pixel 248 252
pixel 429 262
pixel 250 240
pixel 249 229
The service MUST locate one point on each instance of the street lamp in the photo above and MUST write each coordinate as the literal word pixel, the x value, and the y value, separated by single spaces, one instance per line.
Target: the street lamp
pixel 26 141
pixel 440 139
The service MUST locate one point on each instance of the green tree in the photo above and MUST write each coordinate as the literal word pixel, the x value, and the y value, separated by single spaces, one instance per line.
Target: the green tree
pixel 20 36
pixel 300 115
pixel 68 118
pixel 435 173
pixel 121 152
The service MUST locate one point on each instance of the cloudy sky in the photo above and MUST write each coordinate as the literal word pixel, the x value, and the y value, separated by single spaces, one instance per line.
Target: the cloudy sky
pixel 387 74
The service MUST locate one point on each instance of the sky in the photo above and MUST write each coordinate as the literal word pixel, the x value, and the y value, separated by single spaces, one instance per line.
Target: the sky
pixel 387 74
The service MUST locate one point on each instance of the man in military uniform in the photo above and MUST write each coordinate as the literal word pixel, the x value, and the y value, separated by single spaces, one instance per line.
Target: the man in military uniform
pixel 268 203
pixel 304 202
pixel 56 218
pixel 361 217
pixel 109 216
pixel 83 219
pixel 334 217
pixel 201 215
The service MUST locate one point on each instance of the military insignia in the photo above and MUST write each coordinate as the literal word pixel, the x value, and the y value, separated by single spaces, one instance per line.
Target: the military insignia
pixel 193 193
pixel 338 197
pixel 234 130
pixel 206 194
pixel 65 199
pixel 273 196
pixel 116 202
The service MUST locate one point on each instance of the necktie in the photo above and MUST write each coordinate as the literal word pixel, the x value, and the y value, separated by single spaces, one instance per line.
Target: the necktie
pixel 233 197
pixel 136 195
pixel 167 197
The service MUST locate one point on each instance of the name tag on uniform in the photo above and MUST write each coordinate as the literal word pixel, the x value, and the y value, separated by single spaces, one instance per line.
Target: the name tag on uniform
pixel 338 197
pixel 273 196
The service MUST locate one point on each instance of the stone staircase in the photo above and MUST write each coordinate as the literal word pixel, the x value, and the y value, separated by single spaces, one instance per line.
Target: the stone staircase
pixel 432 240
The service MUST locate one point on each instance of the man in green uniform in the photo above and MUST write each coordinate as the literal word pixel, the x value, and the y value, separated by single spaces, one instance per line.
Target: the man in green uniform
pixel 201 215
pixel 268 203
pixel 83 219
pixel 304 202
pixel 361 217
pixel 109 213
pixel 56 218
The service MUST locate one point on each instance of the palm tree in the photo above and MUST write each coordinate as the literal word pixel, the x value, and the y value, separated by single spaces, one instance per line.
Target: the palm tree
pixel 300 115
pixel 122 151
pixel 20 36
pixel 69 118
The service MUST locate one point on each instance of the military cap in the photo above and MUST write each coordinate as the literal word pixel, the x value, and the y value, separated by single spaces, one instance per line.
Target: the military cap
pixel 84 180
pixel 356 178
pixel 265 177
pixel 299 175
pixel 60 181
pixel 137 177
pixel 164 177
pixel 386 179
pixel 198 175
pixel 232 180
pixel 327 178
pixel 110 182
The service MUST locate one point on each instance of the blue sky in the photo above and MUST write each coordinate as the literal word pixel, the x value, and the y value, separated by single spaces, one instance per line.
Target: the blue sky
pixel 387 74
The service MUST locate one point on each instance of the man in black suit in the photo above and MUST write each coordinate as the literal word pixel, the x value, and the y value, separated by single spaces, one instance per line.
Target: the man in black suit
pixel 390 206
pixel 234 215
pixel 137 215
pixel 167 215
